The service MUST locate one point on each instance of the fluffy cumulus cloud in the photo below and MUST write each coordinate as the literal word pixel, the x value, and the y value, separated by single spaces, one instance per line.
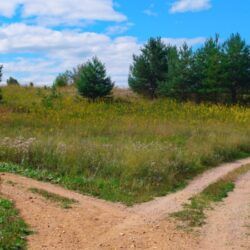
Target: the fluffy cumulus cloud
pixel 49 52
pixel 42 43
pixel 55 12
pixel 190 5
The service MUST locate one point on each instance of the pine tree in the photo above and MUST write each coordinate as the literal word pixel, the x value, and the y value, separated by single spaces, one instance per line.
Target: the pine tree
pixel 183 83
pixel 150 69
pixel 236 66
pixel 167 87
pixel 92 81
pixel 210 71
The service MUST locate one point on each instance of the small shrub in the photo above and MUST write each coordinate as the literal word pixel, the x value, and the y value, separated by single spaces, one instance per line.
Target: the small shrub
pixel 62 80
pixel 92 80
pixel 12 81
pixel 48 100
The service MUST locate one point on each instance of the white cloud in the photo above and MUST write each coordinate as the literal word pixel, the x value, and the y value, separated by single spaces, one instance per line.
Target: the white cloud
pixel 61 50
pixel 150 11
pixel 118 29
pixel 190 5
pixel 41 53
pixel 62 11
pixel 180 41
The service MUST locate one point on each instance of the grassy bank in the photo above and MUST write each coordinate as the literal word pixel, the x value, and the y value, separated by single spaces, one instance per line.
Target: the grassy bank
pixel 13 229
pixel 194 213
pixel 128 150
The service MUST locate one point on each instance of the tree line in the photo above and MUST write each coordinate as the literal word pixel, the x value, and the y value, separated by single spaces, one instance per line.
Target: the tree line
pixel 217 72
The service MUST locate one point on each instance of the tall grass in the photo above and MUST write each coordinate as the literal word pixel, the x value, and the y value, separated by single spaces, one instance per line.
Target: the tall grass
pixel 127 150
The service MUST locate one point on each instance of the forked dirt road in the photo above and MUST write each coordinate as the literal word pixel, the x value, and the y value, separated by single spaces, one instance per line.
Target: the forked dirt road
pixel 97 224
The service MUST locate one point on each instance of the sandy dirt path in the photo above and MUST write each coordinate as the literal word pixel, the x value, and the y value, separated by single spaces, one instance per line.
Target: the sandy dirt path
pixel 228 226
pixel 160 207
pixel 97 224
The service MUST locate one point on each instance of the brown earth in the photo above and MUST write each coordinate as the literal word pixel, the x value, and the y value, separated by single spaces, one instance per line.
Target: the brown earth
pixel 97 224
pixel 228 226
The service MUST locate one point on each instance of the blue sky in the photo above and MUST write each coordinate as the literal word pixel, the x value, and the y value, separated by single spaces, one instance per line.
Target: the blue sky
pixel 40 38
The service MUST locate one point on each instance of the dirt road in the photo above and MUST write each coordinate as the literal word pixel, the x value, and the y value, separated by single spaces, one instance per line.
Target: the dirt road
pixel 97 224
pixel 228 226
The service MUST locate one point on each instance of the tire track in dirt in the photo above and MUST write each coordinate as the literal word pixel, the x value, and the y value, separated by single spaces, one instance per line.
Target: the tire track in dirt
pixel 161 207
pixel 228 226
pixel 57 228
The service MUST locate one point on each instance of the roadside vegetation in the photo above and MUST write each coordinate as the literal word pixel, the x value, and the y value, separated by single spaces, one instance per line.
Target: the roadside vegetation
pixel 129 149
pixel 194 212
pixel 13 229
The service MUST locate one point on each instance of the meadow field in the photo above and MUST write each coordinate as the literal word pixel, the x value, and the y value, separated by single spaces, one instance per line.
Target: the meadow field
pixel 125 149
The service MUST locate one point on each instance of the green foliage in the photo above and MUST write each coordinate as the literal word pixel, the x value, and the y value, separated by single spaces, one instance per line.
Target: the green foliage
pixel 179 83
pixel 12 81
pixel 150 69
pixel 63 79
pixel 236 66
pixel 209 65
pixel 49 99
pixel 214 72
pixel 92 81
pixel 13 229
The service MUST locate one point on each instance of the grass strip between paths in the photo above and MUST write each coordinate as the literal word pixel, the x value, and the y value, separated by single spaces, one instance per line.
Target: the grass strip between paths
pixel 193 213
pixel 63 201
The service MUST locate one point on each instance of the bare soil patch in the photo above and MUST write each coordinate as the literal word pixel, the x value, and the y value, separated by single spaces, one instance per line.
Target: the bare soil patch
pixel 97 224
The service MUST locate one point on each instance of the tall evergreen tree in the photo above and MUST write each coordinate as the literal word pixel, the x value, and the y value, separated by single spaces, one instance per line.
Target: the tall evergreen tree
pixel 184 76
pixel 150 69
pixel 236 66
pixel 209 58
pixel 166 87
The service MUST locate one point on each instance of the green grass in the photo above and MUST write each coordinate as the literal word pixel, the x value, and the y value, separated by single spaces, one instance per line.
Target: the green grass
pixel 63 201
pixel 194 213
pixel 108 191
pixel 128 150
pixel 13 230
